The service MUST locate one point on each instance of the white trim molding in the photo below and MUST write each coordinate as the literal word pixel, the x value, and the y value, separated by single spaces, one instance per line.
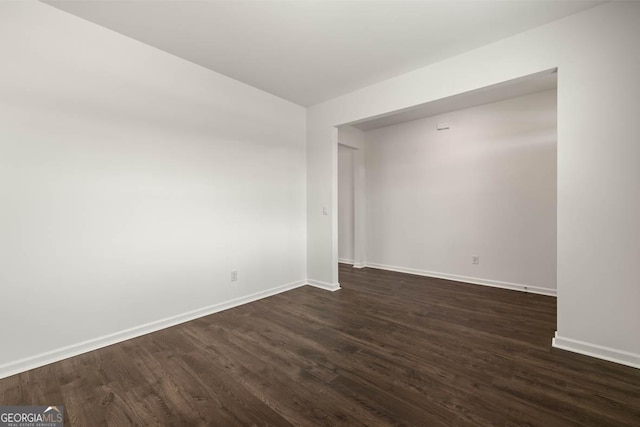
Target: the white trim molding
pixel 324 285
pixel 56 355
pixel 352 263
pixel 465 279
pixel 598 351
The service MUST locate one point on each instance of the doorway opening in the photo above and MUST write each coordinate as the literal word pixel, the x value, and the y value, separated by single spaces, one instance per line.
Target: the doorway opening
pixel 461 188
pixel 345 204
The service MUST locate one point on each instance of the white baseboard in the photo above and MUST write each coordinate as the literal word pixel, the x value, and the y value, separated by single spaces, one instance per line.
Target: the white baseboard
pixel 472 280
pixel 606 353
pixel 46 358
pixel 352 263
pixel 324 285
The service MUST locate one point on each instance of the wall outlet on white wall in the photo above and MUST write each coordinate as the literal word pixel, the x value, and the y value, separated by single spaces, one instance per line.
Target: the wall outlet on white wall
pixel 475 259
pixel 234 276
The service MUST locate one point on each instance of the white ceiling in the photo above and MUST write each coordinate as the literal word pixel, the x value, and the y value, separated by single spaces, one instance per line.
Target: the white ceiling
pixel 538 82
pixel 311 51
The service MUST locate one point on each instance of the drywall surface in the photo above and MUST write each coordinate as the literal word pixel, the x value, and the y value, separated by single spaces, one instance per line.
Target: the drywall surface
pixel 598 160
pixel 132 183
pixel 485 187
pixel 345 204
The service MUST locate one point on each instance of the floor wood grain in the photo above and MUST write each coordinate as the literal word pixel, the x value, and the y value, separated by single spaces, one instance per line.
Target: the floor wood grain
pixel 388 349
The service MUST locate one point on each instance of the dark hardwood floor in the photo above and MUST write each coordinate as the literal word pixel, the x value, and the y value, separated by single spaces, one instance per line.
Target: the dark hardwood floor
pixel 388 349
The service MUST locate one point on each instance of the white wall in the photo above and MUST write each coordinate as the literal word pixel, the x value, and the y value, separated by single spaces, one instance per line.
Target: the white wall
pixel 485 187
pixel 131 183
pixel 345 204
pixel 598 162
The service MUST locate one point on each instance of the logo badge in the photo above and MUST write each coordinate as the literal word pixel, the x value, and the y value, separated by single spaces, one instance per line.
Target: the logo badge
pixel 32 416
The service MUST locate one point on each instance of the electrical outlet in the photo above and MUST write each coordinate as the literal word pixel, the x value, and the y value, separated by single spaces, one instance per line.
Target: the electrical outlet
pixel 475 259
pixel 234 276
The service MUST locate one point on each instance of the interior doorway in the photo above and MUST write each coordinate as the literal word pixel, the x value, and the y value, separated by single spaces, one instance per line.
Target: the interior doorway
pixel 345 205
pixel 462 188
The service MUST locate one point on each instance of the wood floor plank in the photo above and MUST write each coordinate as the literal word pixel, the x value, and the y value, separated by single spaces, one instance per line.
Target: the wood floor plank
pixel 388 349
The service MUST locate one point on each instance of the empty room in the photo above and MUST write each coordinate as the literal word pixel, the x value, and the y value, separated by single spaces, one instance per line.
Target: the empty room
pixel 319 213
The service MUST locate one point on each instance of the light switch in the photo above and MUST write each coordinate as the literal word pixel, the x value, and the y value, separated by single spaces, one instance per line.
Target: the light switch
pixel 325 210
